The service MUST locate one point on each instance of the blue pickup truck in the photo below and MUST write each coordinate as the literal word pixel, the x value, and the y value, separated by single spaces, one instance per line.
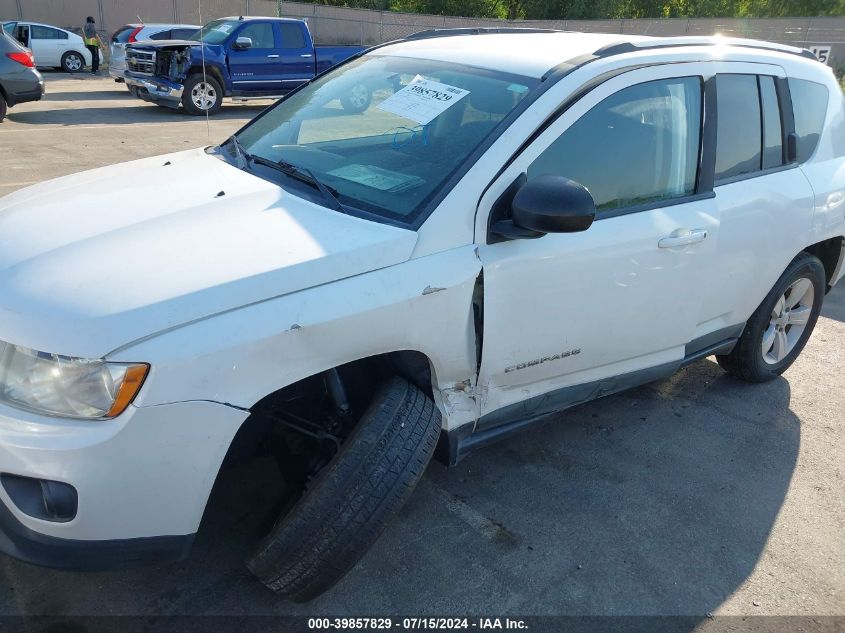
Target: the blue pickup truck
pixel 243 57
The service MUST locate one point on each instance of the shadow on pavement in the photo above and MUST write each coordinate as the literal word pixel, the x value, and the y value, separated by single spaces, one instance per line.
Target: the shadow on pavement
pixel 834 303
pixel 118 92
pixel 120 115
pixel 657 501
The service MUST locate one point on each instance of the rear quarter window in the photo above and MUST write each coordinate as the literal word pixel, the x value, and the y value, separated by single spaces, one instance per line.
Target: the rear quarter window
pixel 121 35
pixel 183 34
pixel 809 105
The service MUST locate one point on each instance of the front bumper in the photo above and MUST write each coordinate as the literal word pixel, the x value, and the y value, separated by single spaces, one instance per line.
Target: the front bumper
pixel 154 89
pixel 117 69
pixel 35 548
pixel 142 480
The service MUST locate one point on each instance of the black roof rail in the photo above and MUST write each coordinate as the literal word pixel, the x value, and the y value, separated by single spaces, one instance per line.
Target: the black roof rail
pixel 619 48
pixel 481 30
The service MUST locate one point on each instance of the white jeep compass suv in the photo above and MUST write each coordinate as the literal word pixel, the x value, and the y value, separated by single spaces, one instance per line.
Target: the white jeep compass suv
pixel 517 223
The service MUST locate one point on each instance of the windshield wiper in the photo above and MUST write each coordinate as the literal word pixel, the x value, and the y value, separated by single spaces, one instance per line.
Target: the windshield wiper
pixel 303 174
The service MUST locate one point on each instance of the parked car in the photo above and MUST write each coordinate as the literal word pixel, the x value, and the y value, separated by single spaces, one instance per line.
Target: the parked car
pixel 131 33
pixel 523 223
pixel 243 58
pixel 52 47
pixel 19 81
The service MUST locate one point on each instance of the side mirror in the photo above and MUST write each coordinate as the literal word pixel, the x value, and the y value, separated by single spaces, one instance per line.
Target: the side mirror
pixel 242 43
pixel 546 204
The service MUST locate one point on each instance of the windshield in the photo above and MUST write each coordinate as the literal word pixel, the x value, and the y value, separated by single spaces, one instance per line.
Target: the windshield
pixel 385 133
pixel 214 32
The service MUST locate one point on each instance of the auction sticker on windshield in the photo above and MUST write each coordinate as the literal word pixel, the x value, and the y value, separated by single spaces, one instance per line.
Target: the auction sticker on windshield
pixel 423 100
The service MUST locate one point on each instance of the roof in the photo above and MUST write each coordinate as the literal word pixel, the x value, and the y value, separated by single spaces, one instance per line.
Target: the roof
pixel 247 18
pixel 157 25
pixel 31 23
pixel 526 54
pixel 535 54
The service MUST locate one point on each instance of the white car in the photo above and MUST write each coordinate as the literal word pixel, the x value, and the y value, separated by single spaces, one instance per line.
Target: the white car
pixel 51 46
pixel 518 222
pixel 131 33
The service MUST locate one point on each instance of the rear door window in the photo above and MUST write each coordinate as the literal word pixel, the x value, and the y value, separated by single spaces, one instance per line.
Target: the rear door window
pixel 183 34
pixel 163 35
pixel 772 128
pixel 809 105
pixel 292 36
pixel 739 134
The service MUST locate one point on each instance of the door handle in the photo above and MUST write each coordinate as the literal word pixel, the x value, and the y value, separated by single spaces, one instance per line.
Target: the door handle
pixel 307 55
pixel 683 237
pixel 272 56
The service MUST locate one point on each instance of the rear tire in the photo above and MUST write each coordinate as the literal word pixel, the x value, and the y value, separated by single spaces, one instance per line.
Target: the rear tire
pixel 73 62
pixel 778 330
pixel 202 95
pixel 345 510
pixel 2 107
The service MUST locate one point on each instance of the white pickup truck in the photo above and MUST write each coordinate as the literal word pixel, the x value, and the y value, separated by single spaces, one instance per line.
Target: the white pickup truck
pixel 518 222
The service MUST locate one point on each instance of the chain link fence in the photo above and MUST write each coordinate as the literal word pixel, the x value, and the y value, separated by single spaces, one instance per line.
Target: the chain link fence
pixel 341 25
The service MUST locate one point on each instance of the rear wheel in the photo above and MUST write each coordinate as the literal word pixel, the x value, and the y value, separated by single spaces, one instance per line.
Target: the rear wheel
pixel 73 62
pixel 346 507
pixel 2 107
pixel 778 330
pixel 202 95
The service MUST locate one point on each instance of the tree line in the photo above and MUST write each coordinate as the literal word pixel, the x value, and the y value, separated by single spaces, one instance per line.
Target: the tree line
pixel 603 9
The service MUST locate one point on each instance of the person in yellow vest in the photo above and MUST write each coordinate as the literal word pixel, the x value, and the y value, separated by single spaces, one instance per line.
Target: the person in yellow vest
pixel 92 43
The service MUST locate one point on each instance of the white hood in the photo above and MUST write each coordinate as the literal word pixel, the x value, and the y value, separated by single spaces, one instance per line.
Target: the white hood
pixel 93 261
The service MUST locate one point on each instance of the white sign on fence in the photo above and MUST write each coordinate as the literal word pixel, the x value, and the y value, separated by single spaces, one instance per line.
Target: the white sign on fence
pixel 822 52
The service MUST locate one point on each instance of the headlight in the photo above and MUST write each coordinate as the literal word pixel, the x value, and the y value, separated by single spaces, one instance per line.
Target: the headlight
pixel 67 387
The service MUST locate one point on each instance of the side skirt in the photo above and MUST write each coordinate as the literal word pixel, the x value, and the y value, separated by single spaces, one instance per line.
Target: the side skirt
pixel 457 444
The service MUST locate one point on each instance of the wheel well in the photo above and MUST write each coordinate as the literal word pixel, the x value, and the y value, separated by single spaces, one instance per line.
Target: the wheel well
pixel 209 70
pixel 270 463
pixel 316 397
pixel 829 252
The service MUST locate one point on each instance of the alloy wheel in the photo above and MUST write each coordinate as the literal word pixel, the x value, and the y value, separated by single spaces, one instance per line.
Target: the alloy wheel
pixel 73 63
pixel 204 96
pixel 789 320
